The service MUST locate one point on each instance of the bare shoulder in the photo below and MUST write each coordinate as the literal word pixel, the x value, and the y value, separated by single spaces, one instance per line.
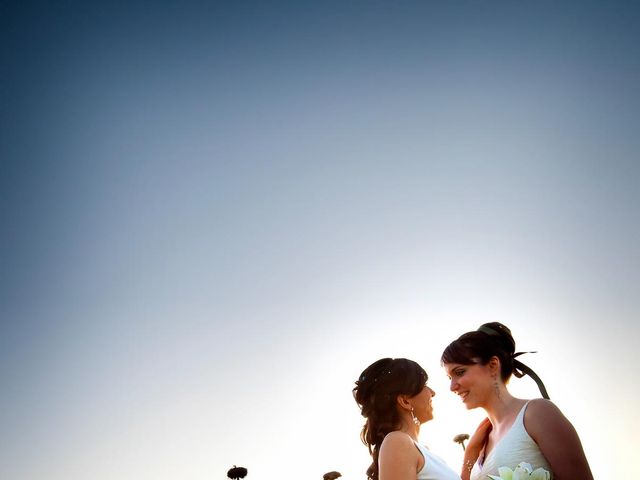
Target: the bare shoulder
pixel 541 407
pixel 399 451
pixel 399 458
pixel 397 440
pixel 543 416
pixel 557 439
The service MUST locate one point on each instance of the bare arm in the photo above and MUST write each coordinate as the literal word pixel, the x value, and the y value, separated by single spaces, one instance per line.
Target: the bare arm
pixel 558 440
pixel 399 458
pixel 476 444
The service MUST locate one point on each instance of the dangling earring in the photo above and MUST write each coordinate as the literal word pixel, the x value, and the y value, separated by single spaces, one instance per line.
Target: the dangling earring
pixel 496 386
pixel 414 418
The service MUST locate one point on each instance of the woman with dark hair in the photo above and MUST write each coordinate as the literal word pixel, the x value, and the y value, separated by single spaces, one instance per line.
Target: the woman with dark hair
pixel 393 396
pixel 479 365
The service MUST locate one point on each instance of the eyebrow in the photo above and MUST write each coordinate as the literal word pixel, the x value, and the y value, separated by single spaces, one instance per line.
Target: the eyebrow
pixel 455 367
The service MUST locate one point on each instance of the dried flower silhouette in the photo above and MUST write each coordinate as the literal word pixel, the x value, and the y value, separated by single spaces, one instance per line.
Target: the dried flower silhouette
pixel 460 438
pixel 237 472
pixel 331 475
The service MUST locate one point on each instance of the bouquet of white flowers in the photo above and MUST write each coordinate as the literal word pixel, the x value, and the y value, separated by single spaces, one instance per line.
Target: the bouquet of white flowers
pixel 524 471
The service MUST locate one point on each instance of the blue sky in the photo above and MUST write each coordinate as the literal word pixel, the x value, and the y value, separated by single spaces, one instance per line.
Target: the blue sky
pixel 215 215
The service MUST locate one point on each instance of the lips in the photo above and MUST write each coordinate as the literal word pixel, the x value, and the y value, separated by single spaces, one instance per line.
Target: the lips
pixel 463 395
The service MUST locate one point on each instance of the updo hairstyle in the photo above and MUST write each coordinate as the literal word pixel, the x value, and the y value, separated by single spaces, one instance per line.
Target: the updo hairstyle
pixel 491 339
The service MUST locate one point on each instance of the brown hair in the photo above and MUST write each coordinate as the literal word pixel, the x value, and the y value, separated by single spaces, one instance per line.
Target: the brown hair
pixel 490 340
pixel 376 392
pixel 480 346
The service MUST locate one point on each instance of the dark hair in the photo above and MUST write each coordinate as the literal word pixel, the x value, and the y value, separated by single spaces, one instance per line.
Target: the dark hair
pixel 490 340
pixel 376 392
pixel 480 346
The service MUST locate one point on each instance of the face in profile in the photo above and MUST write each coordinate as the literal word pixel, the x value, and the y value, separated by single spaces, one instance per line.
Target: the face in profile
pixel 422 406
pixel 472 383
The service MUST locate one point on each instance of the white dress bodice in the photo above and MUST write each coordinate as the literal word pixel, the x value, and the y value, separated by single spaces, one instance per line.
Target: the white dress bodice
pixel 435 468
pixel 515 447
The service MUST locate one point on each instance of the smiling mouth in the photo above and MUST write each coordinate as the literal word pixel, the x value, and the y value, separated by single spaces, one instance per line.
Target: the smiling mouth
pixel 463 396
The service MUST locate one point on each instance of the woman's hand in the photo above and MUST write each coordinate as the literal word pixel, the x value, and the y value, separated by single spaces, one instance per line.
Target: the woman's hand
pixel 478 439
pixel 476 444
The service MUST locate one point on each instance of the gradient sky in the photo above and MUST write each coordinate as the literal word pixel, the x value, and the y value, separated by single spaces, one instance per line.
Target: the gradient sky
pixel 214 215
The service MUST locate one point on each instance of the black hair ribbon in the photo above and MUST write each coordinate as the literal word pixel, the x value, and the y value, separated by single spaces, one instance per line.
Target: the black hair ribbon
pixel 520 370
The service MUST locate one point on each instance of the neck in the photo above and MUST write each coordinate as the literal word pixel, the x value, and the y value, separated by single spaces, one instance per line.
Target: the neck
pixel 407 426
pixel 501 406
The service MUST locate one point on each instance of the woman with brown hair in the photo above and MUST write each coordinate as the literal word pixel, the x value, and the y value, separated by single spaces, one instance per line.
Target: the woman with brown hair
pixel 479 365
pixel 393 396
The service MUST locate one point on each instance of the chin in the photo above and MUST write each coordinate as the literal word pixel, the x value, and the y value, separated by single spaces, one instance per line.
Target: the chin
pixel 470 405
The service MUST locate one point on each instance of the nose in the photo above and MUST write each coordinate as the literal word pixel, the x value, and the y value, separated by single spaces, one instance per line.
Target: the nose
pixel 453 386
pixel 433 392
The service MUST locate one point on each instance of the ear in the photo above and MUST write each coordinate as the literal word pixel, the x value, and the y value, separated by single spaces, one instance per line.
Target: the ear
pixel 403 402
pixel 494 365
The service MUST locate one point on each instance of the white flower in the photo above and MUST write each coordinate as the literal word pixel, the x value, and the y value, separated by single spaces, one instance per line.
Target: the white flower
pixel 505 474
pixel 524 471
pixel 540 474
